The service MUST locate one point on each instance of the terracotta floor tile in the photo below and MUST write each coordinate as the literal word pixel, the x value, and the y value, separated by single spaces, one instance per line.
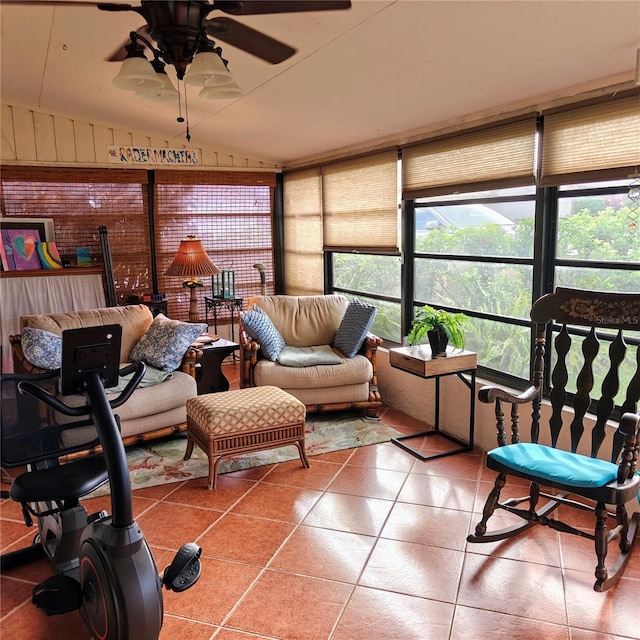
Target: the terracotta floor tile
pixel 324 553
pixel 382 456
pixel 11 510
pixel 220 586
pixel 382 615
pixel 353 514
pixel 158 492
pixel 584 634
pixel 450 493
pixel 34 572
pixel 254 473
pixel 368 482
pixel 460 465
pixel 432 526
pixel 473 623
pixel 29 623
pixel 230 634
pixel 284 605
pixel 14 593
pixel 534 591
pixel 538 545
pixel 171 525
pixel 614 611
pixel 414 569
pixel 279 502
pixel 245 538
pixel 15 534
pixel 174 627
pixel 318 476
pixel 579 554
pixel 292 553
pixel 227 492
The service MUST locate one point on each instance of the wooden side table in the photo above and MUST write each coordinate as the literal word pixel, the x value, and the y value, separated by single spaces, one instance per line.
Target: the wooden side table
pixel 209 376
pixel 418 360
pixel 232 305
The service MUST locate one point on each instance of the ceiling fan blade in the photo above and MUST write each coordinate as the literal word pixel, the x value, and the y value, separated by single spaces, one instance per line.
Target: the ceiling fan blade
pixel 248 39
pixel 56 3
pixel 254 7
pixel 111 6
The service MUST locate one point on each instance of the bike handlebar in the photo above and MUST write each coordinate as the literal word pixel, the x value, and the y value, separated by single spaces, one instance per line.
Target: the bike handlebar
pixel 138 369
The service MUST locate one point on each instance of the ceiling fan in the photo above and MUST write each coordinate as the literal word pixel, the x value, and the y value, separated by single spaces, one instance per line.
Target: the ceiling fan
pixel 179 27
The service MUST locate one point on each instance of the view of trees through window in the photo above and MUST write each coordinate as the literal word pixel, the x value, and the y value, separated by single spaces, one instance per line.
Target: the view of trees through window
pixel 491 254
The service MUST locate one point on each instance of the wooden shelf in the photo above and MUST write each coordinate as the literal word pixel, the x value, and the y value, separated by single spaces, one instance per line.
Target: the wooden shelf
pixel 71 271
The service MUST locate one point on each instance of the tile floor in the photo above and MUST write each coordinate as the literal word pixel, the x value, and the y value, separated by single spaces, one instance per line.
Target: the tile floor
pixel 368 544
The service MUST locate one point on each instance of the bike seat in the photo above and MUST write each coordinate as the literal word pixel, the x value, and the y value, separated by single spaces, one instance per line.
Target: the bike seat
pixel 63 482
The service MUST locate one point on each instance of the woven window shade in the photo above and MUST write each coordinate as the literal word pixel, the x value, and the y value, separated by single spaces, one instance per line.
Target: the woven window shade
pixel 499 155
pixel 231 213
pixel 303 258
pixel 360 203
pixel 81 200
pixel 591 138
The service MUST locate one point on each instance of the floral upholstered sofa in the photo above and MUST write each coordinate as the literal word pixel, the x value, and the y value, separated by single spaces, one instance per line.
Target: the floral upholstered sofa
pixel 317 348
pixel 157 406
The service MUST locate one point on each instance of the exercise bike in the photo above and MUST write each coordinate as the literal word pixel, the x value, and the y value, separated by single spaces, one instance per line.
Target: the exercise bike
pixel 103 565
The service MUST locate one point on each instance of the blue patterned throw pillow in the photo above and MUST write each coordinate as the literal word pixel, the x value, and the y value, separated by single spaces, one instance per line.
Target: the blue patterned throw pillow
pixel 165 343
pixel 354 326
pixel 42 348
pixel 259 326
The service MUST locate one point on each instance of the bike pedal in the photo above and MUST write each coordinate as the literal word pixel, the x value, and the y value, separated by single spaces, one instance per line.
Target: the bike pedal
pixel 185 569
pixel 57 594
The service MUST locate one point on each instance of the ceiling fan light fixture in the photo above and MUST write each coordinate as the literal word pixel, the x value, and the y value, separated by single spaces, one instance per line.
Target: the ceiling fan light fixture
pixel 221 92
pixel 166 93
pixel 208 69
pixel 136 72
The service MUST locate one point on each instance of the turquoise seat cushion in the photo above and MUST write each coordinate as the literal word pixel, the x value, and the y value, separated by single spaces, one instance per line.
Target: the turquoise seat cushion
pixel 555 465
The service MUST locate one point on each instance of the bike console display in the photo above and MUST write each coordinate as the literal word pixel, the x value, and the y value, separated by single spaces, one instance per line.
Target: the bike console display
pixel 87 350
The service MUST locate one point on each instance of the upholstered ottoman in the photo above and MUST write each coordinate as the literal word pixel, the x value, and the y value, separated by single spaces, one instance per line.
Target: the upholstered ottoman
pixel 233 422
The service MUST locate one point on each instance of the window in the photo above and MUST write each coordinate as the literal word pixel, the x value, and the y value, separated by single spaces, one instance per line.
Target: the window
pixel 494 217
pixel 80 201
pixel 475 255
pixel 147 213
pixel 230 213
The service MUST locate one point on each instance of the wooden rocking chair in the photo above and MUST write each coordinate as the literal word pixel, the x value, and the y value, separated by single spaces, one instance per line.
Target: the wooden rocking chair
pixel 574 465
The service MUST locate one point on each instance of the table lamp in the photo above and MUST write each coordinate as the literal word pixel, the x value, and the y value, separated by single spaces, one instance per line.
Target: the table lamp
pixel 192 261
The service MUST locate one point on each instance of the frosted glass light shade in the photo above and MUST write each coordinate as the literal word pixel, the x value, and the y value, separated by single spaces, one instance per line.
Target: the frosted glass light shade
pixel 207 69
pixel 221 92
pixel 166 93
pixel 137 74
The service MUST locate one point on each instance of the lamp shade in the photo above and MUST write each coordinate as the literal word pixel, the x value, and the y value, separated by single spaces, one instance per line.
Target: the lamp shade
pixel 221 92
pixel 137 74
pixel 207 69
pixel 191 260
pixel 166 93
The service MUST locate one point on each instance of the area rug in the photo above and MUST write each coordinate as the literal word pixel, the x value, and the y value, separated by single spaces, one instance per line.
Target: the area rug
pixel 161 461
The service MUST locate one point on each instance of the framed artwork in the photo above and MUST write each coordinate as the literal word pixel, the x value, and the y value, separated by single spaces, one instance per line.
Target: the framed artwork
pixel 19 240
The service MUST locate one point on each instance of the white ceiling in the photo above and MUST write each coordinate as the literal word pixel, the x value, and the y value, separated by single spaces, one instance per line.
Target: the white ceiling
pixel 376 71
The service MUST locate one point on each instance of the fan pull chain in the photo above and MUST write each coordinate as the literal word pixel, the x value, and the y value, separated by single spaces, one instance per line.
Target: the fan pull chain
pixel 179 118
pixel 186 112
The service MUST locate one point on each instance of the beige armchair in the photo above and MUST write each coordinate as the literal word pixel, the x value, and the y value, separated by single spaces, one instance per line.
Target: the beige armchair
pixel 312 321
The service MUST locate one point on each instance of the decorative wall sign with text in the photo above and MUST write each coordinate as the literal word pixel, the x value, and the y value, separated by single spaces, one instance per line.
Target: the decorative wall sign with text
pixel 153 155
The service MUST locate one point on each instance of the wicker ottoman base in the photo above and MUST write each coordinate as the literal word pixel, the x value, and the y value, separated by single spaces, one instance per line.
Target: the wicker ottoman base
pixel 252 419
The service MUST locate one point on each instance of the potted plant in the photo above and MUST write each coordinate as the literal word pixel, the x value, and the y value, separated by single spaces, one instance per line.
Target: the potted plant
pixel 440 327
